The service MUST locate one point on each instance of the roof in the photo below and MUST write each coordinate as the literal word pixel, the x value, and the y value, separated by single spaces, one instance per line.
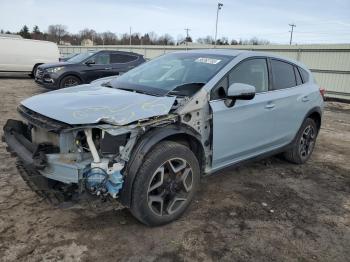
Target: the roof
pixel 229 52
pixel 237 52
pixel 10 35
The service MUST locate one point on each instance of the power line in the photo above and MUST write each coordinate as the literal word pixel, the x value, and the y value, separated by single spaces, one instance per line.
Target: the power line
pixel 291 33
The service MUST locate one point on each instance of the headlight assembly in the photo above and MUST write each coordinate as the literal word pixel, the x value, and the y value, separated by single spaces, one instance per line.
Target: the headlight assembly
pixel 54 69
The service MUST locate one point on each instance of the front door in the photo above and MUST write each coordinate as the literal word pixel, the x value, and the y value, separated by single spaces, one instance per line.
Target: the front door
pixel 243 130
pixel 100 68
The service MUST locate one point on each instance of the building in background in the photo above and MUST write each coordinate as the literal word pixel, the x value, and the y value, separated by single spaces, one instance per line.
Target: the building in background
pixel 87 42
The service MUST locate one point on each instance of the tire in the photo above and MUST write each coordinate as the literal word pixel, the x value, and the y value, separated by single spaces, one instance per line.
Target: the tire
pixel 159 195
pixel 32 75
pixel 69 81
pixel 303 144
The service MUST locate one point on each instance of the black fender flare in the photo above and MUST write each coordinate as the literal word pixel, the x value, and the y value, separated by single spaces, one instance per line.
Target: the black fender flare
pixel 141 148
pixel 313 110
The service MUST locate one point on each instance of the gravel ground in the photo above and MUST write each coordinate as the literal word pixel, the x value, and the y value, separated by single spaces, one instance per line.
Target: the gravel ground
pixel 267 211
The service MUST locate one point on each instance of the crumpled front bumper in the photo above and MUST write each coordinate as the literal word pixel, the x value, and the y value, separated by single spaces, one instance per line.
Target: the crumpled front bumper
pixel 30 160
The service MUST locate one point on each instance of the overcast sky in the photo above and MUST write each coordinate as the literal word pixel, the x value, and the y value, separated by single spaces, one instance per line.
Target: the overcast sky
pixel 321 21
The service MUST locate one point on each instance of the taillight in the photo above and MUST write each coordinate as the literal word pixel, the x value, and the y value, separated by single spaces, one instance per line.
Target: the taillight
pixel 322 91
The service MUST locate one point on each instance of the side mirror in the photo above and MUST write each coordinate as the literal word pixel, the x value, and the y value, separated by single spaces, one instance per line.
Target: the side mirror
pixel 90 62
pixel 241 91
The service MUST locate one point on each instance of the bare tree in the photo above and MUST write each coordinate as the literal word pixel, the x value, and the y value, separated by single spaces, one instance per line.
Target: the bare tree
pixel 208 40
pixel 108 38
pixel 88 34
pixel 166 40
pixel 56 32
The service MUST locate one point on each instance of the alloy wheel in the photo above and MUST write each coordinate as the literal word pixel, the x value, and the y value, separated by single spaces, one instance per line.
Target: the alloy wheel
pixel 70 82
pixel 170 187
pixel 307 141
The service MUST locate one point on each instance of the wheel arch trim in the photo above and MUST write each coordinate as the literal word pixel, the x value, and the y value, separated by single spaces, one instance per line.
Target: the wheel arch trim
pixel 142 147
pixel 315 110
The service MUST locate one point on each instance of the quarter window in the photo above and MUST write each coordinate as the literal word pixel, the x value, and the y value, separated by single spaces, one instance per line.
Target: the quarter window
pixel 283 75
pixel 304 75
pixel 297 76
pixel 252 72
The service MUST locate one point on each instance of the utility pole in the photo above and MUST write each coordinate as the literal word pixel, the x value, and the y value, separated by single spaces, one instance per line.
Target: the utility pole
pixel 130 36
pixel 187 36
pixel 220 5
pixel 291 33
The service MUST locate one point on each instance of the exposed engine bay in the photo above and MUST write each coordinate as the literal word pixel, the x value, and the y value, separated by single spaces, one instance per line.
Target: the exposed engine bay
pixel 93 159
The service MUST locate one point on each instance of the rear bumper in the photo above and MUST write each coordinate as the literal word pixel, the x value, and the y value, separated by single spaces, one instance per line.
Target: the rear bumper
pixel 31 163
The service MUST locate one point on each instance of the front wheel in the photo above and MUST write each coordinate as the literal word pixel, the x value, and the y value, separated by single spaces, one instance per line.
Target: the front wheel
pixel 69 81
pixel 304 143
pixel 165 184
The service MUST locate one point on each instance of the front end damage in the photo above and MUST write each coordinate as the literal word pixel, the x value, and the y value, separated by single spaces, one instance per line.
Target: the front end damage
pixel 64 162
pixel 72 161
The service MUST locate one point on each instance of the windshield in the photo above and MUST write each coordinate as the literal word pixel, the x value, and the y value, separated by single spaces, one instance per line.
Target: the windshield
pixel 176 73
pixel 80 57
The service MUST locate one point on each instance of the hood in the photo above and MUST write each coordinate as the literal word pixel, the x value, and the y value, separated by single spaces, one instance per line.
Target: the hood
pixel 89 104
pixel 49 65
pixel 103 80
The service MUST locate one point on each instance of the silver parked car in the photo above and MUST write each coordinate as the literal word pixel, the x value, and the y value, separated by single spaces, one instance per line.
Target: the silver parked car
pixel 147 137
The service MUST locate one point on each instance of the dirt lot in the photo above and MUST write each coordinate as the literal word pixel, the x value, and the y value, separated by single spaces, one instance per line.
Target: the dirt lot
pixel 267 211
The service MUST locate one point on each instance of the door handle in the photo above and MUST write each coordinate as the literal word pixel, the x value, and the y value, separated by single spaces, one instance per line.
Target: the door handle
pixel 108 68
pixel 270 106
pixel 305 99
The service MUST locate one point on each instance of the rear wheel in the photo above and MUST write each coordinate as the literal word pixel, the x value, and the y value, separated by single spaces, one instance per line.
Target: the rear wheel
pixel 165 184
pixel 35 68
pixel 69 81
pixel 304 143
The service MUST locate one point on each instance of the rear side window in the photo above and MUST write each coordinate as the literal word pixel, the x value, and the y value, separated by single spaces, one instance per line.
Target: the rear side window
pixel 120 58
pixel 297 76
pixel 252 72
pixel 283 75
pixel 304 75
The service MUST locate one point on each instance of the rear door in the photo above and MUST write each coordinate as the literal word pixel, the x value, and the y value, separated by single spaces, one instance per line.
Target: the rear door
pixel 122 63
pixel 289 99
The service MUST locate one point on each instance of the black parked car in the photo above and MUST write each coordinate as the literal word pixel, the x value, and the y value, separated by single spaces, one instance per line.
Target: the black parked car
pixel 86 67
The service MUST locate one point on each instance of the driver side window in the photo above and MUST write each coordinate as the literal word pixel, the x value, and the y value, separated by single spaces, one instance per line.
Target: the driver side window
pixel 252 72
pixel 102 59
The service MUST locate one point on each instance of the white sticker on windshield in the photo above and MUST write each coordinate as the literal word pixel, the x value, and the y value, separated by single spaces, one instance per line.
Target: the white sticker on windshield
pixel 207 60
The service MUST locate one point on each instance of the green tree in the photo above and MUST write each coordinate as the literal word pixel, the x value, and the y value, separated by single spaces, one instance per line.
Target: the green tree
pixel 37 34
pixel 24 32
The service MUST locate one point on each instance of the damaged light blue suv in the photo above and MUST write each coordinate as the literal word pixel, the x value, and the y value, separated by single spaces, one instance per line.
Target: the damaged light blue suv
pixel 147 137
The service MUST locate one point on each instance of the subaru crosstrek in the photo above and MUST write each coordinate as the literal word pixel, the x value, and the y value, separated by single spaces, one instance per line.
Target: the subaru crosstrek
pixel 146 138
